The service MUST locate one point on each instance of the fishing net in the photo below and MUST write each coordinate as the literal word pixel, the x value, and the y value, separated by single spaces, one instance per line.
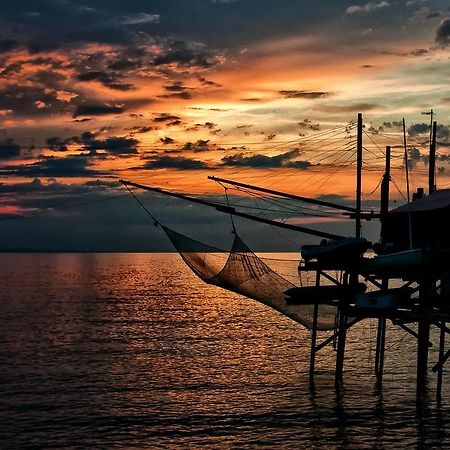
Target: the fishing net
pixel 243 272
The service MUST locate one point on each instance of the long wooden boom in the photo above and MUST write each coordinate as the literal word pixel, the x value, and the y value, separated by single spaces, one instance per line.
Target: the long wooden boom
pixel 231 210
pixel 285 194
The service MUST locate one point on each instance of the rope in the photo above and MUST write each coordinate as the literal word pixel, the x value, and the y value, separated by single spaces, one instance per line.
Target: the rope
pixel 155 221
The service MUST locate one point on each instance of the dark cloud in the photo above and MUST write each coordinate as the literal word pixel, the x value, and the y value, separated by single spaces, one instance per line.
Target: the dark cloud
pixel 187 54
pixel 197 147
pixel 177 86
pixel 97 109
pixel 307 124
pixel 47 79
pixel 175 162
pixel 102 183
pixel 263 161
pixel 209 83
pixel 113 145
pixel 397 125
pixel 56 24
pixel 57 144
pixel 183 95
pixel 35 185
pixel 298 164
pixel 423 129
pixel 354 107
pixel 168 120
pixel 9 149
pixel 165 117
pixel 166 140
pixel 84 119
pixel 443 33
pixel 110 80
pixel 89 141
pixel 418 129
pixel 414 156
pixel 8 44
pixel 419 52
pixel 140 130
pixel 311 95
pixel 70 166
pixel 31 100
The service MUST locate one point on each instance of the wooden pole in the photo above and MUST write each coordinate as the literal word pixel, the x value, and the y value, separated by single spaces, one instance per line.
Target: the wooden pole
pixel 340 354
pixel 423 339
pixel 381 341
pixel 441 367
pixel 312 358
pixel 342 335
pixel 359 156
pixel 432 162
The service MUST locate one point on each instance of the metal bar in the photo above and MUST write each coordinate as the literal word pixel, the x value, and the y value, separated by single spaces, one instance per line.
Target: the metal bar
pixel 284 194
pixel 231 210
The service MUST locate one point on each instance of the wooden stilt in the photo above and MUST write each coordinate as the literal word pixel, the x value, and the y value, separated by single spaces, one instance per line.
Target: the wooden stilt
pixel 379 355
pixel 340 354
pixel 312 358
pixel 422 357
pixel 423 339
pixel 441 366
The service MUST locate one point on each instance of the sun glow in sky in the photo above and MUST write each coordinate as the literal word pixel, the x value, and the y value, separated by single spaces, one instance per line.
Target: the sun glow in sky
pixel 169 92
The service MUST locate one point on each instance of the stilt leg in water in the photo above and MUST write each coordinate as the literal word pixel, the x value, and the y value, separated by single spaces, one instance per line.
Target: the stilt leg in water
pixel 342 329
pixel 312 359
pixel 379 355
pixel 422 359
pixel 441 366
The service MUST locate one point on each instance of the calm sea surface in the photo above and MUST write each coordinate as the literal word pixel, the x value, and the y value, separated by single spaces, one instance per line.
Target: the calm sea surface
pixel 132 351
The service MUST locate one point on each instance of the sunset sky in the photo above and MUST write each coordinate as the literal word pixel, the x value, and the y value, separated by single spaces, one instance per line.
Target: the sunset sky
pixel 168 92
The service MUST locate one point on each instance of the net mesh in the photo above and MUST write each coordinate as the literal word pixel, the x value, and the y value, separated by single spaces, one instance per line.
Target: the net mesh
pixel 243 272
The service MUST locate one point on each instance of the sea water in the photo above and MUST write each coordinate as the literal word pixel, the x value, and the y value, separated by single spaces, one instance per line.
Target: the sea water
pixel 133 351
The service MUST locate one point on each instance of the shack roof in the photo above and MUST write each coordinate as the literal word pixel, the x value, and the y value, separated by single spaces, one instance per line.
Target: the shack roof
pixel 437 200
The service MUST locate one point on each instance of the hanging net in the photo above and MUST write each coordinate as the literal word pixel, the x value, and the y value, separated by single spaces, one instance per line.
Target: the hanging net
pixel 241 271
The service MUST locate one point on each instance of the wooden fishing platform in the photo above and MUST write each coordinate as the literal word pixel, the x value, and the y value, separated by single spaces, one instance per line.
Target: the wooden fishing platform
pixel 413 255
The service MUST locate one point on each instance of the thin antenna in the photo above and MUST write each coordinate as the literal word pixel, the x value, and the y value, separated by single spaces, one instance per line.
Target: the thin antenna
pixel 407 185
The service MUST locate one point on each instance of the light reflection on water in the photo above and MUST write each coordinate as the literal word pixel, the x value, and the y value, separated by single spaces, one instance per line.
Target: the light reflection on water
pixel 131 350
